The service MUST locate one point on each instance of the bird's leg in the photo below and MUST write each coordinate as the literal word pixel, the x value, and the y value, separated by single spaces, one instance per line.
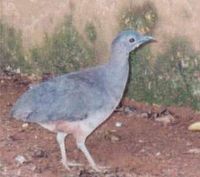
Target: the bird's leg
pixel 61 141
pixel 83 148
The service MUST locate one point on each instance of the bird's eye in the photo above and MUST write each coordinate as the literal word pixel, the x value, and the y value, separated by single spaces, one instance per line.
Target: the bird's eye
pixel 131 40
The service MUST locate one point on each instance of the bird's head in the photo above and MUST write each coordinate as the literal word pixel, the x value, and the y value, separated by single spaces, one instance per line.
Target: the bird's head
pixel 127 41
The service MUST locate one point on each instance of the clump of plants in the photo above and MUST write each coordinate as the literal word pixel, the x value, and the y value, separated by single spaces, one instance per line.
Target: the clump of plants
pixel 90 31
pixel 141 78
pixel 64 51
pixel 12 55
pixel 141 18
pixel 174 79
pixel 177 70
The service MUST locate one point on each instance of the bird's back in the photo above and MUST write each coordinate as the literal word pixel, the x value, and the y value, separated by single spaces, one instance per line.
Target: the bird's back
pixel 69 97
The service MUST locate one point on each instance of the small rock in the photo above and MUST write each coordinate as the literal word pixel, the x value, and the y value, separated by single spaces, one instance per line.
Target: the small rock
pixel 144 115
pixel 166 119
pixel 9 104
pixel 112 136
pixel 24 125
pixel 129 110
pixel 194 151
pixel 20 159
pixel 194 127
pixel 118 124
pixel 158 154
pixel 18 71
pixel 141 141
pixel 39 153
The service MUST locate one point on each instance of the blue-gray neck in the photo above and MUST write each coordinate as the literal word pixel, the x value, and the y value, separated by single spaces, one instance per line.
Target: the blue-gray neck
pixel 117 71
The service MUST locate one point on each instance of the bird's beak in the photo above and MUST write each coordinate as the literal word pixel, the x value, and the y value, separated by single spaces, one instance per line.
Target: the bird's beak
pixel 144 40
pixel 148 39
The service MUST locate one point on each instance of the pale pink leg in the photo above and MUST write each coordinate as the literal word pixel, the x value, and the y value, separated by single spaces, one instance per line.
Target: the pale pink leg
pixel 81 145
pixel 61 141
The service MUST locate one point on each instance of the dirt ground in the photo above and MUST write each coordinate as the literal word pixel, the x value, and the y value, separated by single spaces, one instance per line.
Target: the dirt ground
pixel 139 146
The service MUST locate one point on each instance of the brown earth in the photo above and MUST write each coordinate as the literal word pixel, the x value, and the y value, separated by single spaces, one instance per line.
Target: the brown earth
pixel 141 147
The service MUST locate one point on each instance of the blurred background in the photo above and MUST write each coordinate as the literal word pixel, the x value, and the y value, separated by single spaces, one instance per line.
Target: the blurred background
pixel 48 36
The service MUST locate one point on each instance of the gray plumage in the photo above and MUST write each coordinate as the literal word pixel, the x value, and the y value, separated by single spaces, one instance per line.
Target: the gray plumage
pixel 68 97
pixel 87 97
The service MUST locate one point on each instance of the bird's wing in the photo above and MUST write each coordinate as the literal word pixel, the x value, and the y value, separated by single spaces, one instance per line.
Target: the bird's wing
pixel 69 97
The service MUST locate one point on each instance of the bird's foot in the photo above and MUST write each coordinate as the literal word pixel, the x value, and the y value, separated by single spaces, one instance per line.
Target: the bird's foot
pixel 68 164
pixel 74 164
pixel 100 168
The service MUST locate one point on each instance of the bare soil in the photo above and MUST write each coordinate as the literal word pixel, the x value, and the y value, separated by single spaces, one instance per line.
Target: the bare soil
pixel 141 147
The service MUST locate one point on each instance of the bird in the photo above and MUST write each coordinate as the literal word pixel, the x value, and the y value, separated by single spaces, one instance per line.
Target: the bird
pixel 79 102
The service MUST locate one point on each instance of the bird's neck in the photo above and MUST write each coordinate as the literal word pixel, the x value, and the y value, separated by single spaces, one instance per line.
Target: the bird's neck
pixel 118 65
pixel 118 58
pixel 117 73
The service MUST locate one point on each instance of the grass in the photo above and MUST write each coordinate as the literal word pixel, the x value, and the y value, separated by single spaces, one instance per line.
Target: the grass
pixel 141 18
pixel 12 53
pixel 64 51
pixel 90 31
pixel 174 78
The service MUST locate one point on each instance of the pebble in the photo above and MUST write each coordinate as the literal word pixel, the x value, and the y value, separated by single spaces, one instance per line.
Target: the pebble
pixel 194 127
pixel 20 159
pixel 24 125
pixel 166 119
pixel 144 115
pixel 39 153
pixel 118 124
pixel 114 138
pixel 194 151
pixel 141 141
pixel 158 153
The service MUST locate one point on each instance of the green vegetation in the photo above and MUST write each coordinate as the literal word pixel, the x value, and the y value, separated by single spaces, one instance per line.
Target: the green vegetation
pixel 141 18
pixel 174 79
pixel 141 76
pixel 11 56
pixel 64 51
pixel 180 66
pixel 90 31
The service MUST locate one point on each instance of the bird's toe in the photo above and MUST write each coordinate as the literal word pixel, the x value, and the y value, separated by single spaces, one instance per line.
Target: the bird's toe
pixel 98 168
pixel 65 164
pixel 74 164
